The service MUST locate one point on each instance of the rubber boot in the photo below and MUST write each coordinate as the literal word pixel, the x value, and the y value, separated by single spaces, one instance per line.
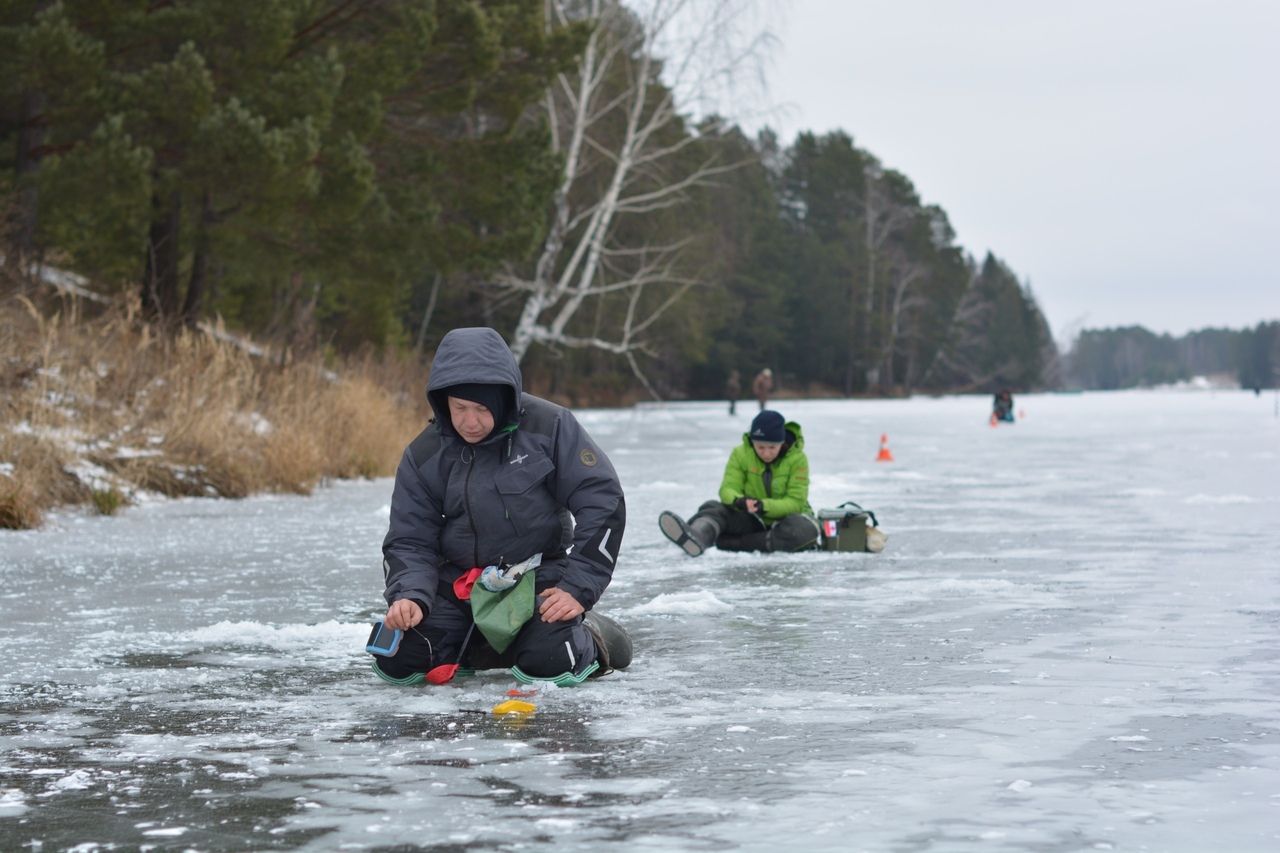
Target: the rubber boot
pixel 613 643
pixel 705 530
pixel 693 536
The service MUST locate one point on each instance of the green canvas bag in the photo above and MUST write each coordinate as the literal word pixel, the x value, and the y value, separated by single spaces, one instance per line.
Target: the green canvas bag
pixel 500 615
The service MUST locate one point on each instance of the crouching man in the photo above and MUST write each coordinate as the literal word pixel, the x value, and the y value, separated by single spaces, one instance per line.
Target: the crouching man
pixel 499 479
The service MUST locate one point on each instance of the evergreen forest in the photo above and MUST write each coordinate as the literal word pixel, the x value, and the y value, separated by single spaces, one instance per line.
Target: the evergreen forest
pixel 349 177
pixel 1134 357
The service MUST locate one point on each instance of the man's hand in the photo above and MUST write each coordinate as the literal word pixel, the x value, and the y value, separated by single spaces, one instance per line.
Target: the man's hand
pixel 403 614
pixel 558 606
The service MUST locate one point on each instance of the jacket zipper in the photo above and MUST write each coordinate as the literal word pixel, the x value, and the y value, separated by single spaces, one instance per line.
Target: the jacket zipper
pixel 466 498
pixel 471 519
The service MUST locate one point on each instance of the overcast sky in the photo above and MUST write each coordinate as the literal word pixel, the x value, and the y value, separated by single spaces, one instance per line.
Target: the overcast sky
pixel 1122 156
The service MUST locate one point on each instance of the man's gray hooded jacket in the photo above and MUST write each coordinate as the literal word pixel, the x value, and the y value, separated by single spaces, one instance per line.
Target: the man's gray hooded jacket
pixel 510 496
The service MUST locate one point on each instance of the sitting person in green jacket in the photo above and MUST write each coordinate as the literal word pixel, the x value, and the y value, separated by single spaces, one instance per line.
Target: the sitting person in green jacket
pixel 764 496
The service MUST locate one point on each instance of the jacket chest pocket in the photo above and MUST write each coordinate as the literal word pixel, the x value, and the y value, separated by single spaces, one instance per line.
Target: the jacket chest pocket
pixel 518 488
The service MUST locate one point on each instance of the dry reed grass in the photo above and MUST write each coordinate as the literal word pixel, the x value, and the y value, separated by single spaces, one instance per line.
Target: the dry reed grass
pixel 92 410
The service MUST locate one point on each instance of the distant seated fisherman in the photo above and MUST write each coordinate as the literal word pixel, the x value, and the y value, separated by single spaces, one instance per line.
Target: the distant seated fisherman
pixel 1002 406
pixel 764 496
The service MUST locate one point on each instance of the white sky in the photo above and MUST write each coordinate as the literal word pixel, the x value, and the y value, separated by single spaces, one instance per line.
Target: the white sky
pixel 1122 156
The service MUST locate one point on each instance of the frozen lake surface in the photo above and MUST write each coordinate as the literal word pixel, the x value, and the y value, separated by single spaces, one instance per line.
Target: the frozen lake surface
pixel 1071 643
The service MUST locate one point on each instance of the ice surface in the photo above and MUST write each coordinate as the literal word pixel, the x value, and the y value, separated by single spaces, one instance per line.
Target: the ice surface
pixel 1071 643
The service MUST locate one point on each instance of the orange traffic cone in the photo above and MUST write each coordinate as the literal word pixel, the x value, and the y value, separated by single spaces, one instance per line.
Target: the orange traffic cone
pixel 884 455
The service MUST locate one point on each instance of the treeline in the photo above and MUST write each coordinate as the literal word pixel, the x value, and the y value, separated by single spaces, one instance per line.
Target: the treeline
pixel 1131 357
pixel 322 173
pixel 836 272
pixel 299 167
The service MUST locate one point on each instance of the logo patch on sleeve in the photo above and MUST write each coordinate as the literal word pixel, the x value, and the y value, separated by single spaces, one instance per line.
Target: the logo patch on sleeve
pixel 588 457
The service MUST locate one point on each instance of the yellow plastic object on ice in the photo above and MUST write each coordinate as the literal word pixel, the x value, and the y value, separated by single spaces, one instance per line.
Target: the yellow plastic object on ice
pixel 514 706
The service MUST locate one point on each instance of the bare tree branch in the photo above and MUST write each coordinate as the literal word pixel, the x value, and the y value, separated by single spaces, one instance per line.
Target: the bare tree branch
pixel 616 123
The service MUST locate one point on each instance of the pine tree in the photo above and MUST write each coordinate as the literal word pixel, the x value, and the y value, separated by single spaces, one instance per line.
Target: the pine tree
pixel 284 160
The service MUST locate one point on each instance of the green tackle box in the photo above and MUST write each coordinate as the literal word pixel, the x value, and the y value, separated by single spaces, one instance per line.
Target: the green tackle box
pixel 849 527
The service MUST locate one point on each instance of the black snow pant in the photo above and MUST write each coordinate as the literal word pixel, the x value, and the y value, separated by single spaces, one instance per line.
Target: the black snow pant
pixel 745 531
pixel 540 650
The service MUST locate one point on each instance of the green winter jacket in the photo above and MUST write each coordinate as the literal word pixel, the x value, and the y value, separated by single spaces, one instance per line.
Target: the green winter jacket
pixel 785 489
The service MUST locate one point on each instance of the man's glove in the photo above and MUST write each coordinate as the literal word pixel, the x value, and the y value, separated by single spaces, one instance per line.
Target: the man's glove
pixel 741 503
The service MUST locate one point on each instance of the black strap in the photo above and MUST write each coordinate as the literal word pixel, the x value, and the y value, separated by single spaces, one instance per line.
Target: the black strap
pixel 860 508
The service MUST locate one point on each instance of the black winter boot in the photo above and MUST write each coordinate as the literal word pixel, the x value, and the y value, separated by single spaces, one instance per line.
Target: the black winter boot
pixel 613 643
pixel 693 536
pixel 707 530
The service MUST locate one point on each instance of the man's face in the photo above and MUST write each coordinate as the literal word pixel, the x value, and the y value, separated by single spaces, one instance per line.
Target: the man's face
pixel 767 450
pixel 471 420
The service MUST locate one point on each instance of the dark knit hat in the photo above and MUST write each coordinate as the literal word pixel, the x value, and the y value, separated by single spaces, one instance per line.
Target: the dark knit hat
pixel 492 396
pixel 769 426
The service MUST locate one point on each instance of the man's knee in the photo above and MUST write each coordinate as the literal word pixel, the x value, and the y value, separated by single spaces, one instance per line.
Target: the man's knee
pixel 712 509
pixel 554 649
pixel 794 533
pixel 397 672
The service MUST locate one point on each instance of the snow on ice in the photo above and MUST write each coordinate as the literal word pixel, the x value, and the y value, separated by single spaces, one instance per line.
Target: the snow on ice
pixel 1070 643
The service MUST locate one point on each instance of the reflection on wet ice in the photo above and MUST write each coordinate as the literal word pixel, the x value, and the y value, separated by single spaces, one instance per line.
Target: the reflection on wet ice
pixel 1049 655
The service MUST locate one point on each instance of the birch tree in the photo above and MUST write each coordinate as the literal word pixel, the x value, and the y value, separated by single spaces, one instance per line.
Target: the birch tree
pixel 900 303
pixel 924 274
pixel 998 336
pixel 884 214
pixel 957 364
pixel 628 155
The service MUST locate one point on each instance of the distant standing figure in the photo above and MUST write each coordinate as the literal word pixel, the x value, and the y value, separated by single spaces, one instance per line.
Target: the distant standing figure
pixel 733 389
pixel 763 386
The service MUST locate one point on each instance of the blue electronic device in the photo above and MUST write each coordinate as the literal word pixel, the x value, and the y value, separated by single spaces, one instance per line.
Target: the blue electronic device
pixel 383 640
